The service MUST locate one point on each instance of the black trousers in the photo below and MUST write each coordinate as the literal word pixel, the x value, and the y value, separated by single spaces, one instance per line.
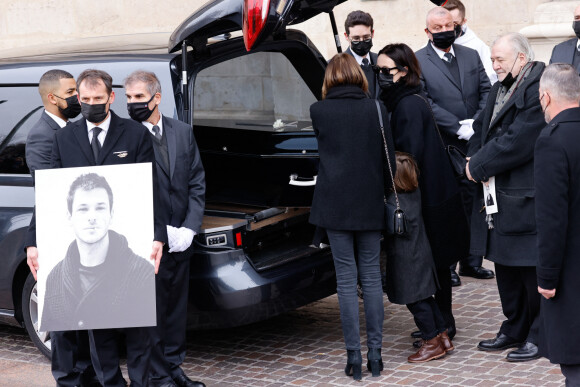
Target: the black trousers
pixel 468 191
pixel 572 374
pixel 520 301
pixel 427 317
pixel 168 338
pixel 70 357
pixel 443 296
pixel 105 356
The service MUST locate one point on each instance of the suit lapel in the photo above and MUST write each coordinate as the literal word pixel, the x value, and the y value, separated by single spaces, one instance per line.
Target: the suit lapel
pixel 49 121
pixel 438 62
pixel 82 135
pixel 171 145
pixel 461 65
pixel 116 128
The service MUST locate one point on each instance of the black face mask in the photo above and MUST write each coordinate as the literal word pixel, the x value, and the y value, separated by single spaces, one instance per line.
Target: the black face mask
pixel 361 48
pixel 458 30
pixel 576 26
pixel 509 79
pixel 385 81
pixel 73 107
pixel 139 111
pixel 94 113
pixel 443 40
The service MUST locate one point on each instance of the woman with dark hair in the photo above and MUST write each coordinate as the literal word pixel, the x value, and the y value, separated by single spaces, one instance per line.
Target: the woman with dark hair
pixel 415 132
pixel 348 200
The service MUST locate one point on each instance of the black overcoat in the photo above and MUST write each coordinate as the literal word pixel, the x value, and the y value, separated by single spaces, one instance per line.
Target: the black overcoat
pixel 556 170
pixel 411 275
pixel 350 185
pixel 414 132
pixel 504 148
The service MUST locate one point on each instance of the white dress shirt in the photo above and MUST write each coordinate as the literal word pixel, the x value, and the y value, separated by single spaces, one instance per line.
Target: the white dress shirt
pixel 58 120
pixel 104 129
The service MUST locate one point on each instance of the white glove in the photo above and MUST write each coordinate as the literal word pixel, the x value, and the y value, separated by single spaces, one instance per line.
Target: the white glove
pixel 466 130
pixel 179 238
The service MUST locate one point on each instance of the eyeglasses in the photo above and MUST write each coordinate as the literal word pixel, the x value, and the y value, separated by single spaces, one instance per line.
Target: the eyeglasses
pixel 384 70
pixel 358 39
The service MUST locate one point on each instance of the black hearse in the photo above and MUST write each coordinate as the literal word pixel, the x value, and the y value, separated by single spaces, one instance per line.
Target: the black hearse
pixel 245 84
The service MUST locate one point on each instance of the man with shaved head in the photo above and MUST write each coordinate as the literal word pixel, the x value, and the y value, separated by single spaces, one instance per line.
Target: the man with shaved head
pixel 569 51
pixel 456 85
pixel 58 91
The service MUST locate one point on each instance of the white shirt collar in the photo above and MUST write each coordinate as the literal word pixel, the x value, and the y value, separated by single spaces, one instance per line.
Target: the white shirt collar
pixel 58 120
pixel 359 58
pixel 578 45
pixel 440 52
pixel 149 125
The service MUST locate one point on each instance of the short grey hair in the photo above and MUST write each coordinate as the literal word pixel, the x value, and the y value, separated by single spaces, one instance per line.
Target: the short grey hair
pixel 562 81
pixel 148 78
pixel 519 44
pixel 437 11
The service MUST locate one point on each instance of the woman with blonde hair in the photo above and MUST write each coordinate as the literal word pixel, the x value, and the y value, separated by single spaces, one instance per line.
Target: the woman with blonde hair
pixel 348 200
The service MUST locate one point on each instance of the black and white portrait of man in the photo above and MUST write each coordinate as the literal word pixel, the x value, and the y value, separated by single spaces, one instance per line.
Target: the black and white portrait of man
pixel 100 282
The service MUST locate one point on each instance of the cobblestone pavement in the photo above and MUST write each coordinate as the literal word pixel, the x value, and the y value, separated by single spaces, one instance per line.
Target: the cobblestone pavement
pixel 305 348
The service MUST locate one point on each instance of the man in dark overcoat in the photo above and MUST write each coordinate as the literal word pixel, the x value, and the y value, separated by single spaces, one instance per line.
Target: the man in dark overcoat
pixel 503 147
pixel 181 183
pixel 556 166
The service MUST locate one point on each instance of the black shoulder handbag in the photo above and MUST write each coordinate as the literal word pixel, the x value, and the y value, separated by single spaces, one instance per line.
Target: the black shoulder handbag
pixel 457 158
pixel 396 222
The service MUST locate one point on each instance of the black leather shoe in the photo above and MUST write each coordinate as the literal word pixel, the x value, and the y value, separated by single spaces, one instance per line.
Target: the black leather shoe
pixel 455 280
pixel 499 343
pixel 476 272
pixel 528 351
pixel 183 381
pixel 418 343
pixel 416 335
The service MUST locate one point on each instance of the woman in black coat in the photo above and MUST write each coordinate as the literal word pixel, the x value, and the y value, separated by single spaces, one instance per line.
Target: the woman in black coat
pixel 348 200
pixel 415 132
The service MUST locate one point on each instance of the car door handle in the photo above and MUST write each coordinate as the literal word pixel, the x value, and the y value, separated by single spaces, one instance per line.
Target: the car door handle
pixel 302 181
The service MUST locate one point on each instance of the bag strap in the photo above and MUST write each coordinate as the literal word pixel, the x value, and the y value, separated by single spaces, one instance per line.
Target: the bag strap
pixel 387 152
pixel 434 120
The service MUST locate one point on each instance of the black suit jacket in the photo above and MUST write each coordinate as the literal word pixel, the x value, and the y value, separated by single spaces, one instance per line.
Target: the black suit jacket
pixel 564 53
pixel 375 80
pixel 450 101
pixel 39 143
pixel 182 187
pixel 126 142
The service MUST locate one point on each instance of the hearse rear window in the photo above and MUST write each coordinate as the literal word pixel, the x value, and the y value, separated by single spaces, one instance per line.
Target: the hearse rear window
pixel 259 91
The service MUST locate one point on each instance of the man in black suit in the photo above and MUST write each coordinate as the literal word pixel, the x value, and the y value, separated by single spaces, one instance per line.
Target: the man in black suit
pixel 103 138
pixel 181 184
pixel 359 32
pixel 457 86
pixel 569 51
pixel 70 365
pixel 58 91
pixel 556 165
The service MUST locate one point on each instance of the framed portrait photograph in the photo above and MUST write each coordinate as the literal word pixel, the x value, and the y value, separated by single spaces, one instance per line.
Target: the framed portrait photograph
pixel 94 231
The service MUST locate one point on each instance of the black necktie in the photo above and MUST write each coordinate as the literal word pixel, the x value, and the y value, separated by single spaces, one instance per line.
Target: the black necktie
pixel 448 57
pixel 365 63
pixel 95 144
pixel 156 132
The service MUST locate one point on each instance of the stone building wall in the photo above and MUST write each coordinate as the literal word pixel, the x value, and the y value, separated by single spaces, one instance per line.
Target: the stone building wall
pixel 36 22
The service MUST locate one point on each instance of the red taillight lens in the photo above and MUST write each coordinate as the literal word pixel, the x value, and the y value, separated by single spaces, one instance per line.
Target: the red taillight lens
pixel 254 18
pixel 238 239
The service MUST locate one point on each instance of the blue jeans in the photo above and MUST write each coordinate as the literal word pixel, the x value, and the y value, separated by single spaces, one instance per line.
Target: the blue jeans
pixel 366 246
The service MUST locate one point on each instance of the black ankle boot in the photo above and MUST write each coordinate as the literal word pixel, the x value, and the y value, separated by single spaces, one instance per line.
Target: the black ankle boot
pixel 374 361
pixel 354 363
